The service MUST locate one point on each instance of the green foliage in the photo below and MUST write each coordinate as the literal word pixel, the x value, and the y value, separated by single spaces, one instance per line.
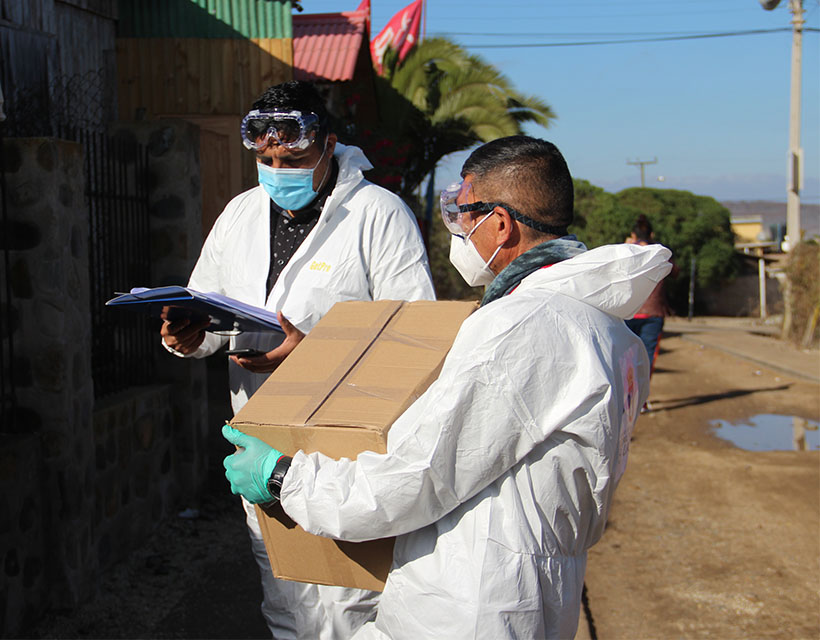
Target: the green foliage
pixel 690 225
pixel 448 283
pixel 391 143
pixel 600 218
pixel 440 100
pixel 803 271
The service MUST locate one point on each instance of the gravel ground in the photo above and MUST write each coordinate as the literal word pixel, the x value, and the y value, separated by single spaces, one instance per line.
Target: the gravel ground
pixel 689 551
pixel 193 578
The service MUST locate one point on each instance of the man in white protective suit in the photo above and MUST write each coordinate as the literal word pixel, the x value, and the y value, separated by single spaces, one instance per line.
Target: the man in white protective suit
pixel 313 233
pixel 499 478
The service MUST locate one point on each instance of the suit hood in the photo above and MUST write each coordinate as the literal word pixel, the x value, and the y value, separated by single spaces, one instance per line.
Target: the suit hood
pixel 616 279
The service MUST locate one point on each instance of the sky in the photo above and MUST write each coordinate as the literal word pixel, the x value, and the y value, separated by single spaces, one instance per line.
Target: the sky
pixel 713 112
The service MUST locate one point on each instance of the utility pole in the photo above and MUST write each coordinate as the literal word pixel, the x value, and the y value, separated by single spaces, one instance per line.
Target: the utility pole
pixel 795 168
pixel 642 163
pixel 795 152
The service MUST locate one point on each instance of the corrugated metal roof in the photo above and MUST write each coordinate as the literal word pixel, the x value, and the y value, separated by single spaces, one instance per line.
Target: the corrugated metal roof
pixel 204 19
pixel 326 45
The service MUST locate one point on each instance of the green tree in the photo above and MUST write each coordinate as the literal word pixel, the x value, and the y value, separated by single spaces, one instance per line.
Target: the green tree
pixel 600 218
pixel 437 101
pixel 690 225
pixel 440 100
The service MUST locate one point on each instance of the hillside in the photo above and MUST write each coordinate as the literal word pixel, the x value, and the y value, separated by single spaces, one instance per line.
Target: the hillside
pixel 775 213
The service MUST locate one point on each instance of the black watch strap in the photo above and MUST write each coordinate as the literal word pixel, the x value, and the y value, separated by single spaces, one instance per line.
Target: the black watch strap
pixel 277 476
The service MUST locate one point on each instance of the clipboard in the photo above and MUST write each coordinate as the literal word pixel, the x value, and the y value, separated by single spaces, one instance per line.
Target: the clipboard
pixel 225 314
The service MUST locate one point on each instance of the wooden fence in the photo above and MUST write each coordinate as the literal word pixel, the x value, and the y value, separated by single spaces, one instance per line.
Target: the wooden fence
pixel 198 76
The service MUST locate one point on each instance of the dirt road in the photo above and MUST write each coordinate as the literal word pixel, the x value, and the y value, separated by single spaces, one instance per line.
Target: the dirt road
pixel 706 540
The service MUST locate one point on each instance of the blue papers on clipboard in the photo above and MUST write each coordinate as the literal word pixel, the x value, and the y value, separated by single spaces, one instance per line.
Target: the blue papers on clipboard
pixel 226 314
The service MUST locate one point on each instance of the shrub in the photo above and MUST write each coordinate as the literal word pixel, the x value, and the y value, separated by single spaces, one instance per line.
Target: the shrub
pixel 803 272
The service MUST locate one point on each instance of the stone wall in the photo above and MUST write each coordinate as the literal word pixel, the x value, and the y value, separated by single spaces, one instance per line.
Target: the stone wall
pixel 48 461
pixel 82 482
pixel 135 465
pixel 176 239
pixel 741 298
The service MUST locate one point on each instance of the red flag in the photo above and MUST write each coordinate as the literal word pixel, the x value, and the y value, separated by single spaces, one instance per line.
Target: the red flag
pixel 365 6
pixel 401 33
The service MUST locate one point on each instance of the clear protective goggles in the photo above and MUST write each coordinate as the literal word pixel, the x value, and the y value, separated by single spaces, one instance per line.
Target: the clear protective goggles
pixel 290 129
pixel 459 223
pixel 455 215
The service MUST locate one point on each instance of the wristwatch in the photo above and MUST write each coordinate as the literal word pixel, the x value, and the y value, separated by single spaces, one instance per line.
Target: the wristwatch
pixel 277 476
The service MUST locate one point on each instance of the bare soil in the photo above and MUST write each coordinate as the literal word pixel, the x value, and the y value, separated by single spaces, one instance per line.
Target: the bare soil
pixel 706 540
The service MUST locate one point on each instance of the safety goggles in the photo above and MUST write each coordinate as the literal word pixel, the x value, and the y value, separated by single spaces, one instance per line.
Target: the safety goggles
pixel 455 215
pixel 290 129
pixel 459 223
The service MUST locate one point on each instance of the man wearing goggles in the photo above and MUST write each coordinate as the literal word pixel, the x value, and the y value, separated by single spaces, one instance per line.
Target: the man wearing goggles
pixel 499 477
pixel 314 232
pixel 294 153
pixel 461 210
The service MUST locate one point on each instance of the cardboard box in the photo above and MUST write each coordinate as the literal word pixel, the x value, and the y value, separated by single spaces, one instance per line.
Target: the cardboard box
pixel 339 391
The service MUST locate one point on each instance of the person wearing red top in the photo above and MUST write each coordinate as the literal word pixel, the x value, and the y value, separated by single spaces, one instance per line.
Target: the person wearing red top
pixel 647 324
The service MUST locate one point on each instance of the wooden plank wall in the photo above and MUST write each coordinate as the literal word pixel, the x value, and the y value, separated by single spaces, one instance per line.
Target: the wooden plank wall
pixel 37 15
pixel 87 41
pixel 57 61
pixel 188 76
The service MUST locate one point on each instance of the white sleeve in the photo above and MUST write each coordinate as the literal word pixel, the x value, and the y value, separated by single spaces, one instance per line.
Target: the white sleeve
pixel 398 265
pixel 171 350
pixel 472 425
pixel 206 277
pixel 210 344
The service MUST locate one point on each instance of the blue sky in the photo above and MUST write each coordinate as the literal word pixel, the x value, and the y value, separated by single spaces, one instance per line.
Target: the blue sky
pixel 714 111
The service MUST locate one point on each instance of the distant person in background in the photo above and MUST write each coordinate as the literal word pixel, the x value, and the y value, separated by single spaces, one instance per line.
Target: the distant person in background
pixel 647 324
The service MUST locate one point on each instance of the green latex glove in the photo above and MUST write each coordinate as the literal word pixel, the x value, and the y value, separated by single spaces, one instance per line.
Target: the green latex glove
pixel 250 467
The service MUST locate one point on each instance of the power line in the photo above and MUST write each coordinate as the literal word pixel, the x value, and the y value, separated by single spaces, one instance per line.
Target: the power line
pixel 519 18
pixel 588 34
pixel 699 36
pixel 565 34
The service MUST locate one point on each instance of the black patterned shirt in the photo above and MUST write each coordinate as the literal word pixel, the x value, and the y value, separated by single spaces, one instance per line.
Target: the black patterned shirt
pixel 288 229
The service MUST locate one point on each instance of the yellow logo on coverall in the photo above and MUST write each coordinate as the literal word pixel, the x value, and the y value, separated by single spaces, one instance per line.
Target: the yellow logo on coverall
pixel 319 266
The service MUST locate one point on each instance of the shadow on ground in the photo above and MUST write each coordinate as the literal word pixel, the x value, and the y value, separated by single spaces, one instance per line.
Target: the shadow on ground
pixel 679 403
pixel 192 578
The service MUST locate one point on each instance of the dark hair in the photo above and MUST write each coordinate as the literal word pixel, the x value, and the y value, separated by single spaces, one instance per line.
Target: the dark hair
pixel 642 229
pixel 295 96
pixel 528 174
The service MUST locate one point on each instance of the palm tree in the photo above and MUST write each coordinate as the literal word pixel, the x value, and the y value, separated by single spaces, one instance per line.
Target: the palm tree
pixel 441 99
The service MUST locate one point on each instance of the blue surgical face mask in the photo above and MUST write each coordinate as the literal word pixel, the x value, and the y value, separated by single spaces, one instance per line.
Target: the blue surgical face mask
pixel 291 189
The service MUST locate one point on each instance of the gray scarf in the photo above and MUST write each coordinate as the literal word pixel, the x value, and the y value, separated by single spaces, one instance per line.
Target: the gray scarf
pixel 529 262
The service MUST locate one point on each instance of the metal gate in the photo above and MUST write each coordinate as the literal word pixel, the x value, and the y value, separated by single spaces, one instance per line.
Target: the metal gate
pixel 123 343
pixel 116 172
pixel 8 400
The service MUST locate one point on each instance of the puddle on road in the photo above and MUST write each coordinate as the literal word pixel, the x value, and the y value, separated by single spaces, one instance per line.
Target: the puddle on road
pixel 770 432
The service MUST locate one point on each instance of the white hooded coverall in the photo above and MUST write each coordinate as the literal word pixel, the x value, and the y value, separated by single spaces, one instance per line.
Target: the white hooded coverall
pixel 499 477
pixel 365 246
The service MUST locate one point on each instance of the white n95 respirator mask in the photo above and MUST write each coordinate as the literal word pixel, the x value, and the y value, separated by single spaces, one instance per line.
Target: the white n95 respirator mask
pixel 468 261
